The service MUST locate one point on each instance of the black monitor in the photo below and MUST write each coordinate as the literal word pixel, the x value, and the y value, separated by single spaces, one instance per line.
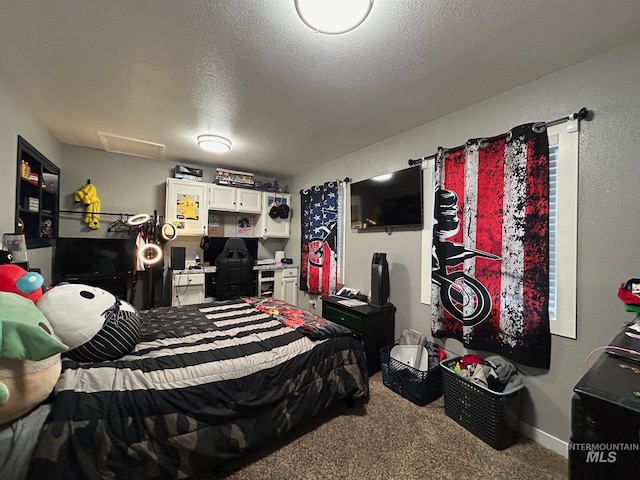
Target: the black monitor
pixel 216 245
pixel 83 258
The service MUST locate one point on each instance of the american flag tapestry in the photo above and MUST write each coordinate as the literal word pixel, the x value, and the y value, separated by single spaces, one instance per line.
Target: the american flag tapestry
pixel 490 272
pixel 318 265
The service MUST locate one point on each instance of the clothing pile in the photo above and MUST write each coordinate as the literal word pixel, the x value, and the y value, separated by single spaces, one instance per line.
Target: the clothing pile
pixel 493 372
pixel 629 293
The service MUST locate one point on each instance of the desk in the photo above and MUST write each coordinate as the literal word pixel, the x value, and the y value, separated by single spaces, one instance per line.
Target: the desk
pixel 198 285
pixel 605 419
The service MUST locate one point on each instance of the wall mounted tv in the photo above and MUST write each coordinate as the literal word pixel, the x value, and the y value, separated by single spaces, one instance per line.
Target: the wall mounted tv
pixel 85 258
pixel 391 200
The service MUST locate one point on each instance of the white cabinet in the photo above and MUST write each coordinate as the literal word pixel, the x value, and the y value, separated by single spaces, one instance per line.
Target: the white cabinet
pixel 273 227
pixel 281 283
pixel 232 199
pixel 249 201
pixel 266 283
pixel 187 288
pixel 186 206
pixel 286 285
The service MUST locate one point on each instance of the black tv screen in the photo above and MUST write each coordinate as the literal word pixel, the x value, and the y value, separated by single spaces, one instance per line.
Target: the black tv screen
pixel 391 200
pixel 216 245
pixel 91 257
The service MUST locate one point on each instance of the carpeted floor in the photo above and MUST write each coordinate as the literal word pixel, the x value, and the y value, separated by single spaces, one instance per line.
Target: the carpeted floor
pixel 391 438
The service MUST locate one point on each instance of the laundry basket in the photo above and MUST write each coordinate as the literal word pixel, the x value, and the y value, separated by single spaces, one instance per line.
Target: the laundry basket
pixel 491 416
pixel 418 386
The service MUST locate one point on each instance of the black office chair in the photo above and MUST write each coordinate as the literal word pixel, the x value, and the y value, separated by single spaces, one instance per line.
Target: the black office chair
pixel 234 271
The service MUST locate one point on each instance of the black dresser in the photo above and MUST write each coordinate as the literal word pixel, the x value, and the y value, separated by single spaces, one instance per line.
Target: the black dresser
pixel 605 418
pixel 374 325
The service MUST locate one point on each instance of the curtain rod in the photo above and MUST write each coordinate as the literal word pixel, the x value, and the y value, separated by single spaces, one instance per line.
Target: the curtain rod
pixel 580 115
pixel 346 180
pixel 83 212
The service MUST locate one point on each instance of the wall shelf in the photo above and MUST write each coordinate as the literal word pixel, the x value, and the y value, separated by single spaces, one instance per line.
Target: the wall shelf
pixel 37 200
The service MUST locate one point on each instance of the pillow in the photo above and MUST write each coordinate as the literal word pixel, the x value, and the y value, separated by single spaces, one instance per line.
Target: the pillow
pixel 25 333
pixel 29 356
pixel 26 384
pixel 91 321
pixel 15 279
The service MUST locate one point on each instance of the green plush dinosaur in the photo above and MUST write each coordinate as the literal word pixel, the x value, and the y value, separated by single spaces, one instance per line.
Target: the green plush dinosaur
pixel 25 334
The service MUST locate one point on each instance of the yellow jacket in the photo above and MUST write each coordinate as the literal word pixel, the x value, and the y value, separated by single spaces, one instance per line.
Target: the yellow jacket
pixel 89 196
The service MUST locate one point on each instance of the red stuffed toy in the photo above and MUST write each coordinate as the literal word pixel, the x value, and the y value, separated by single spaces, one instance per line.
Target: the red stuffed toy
pixel 15 279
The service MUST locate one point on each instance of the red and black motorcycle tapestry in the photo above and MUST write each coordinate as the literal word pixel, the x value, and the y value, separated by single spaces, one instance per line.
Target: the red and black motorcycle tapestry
pixel 490 265
pixel 318 265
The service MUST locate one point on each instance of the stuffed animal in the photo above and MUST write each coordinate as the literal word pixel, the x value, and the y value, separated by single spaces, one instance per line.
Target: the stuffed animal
pixel 29 356
pixel 91 321
pixel 15 279
pixel 5 257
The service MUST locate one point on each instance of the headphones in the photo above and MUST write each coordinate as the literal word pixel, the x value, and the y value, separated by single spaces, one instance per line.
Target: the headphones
pixel 205 243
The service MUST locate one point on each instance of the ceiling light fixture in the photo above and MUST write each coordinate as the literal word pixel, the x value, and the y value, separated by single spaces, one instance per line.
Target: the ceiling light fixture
pixel 214 143
pixel 333 16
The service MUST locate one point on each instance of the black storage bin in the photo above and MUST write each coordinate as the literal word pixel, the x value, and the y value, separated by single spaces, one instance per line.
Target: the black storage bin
pixel 491 416
pixel 417 386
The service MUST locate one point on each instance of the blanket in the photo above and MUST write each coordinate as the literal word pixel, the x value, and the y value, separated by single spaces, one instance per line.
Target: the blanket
pixel 206 384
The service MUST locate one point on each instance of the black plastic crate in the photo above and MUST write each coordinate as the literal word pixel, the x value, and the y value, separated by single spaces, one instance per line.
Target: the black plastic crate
pixel 417 386
pixel 491 416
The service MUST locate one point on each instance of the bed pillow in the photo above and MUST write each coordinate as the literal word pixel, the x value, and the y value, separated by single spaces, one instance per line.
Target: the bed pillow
pixel 29 356
pixel 91 321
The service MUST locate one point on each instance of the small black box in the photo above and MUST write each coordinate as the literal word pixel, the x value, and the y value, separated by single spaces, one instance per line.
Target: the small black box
pixel 178 255
pixel 182 169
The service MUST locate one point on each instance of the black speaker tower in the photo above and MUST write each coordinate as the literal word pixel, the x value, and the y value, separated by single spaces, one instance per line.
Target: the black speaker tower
pixel 379 281
pixel 178 255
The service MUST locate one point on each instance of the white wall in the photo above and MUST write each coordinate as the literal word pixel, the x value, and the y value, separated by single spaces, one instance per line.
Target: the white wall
pixel 16 120
pixel 609 211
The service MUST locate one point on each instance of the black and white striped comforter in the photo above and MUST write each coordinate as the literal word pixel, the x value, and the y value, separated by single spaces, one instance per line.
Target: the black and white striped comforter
pixel 205 384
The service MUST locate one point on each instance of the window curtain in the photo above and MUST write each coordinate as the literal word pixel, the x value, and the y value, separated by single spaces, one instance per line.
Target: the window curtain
pixel 320 219
pixel 490 252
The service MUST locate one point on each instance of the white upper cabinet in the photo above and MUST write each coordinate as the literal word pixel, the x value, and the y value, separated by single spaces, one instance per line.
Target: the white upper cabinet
pixel 232 199
pixel 186 206
pixel 249 201
pixel 269 226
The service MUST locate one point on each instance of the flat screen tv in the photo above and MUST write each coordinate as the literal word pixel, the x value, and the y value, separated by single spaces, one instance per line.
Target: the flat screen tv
pixel 391 200
pixel 78 258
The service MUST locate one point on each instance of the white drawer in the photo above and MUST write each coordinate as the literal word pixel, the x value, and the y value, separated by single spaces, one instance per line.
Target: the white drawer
pixel 184 279
pixel 289 272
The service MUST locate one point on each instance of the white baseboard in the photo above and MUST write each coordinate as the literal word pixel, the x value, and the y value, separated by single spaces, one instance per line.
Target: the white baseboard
pixel 549 441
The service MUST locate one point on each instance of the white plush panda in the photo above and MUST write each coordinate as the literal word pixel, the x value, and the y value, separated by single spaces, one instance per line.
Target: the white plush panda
pixel 92 322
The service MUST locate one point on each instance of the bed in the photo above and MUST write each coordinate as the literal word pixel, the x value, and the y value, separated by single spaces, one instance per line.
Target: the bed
pixel 205 384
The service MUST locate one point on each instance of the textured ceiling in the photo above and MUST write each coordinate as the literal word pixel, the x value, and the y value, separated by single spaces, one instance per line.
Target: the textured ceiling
pixel 166 71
